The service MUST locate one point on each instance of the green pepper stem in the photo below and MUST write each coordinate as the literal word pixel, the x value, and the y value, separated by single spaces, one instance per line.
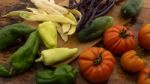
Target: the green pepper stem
pixel 39 59
pixel 11 71
pixel 98 59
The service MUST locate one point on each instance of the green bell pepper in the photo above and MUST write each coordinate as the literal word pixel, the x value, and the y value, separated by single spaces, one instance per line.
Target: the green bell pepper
pixel 9 34
pixel 63 74
pixel 4 71
pixel 131 8
pixel 95 30
pixel 24 57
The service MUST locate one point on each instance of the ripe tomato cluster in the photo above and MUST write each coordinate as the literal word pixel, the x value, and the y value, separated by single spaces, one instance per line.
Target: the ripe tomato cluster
pixel 97 64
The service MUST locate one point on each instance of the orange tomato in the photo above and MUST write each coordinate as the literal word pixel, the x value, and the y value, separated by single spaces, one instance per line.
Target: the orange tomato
pixel 131 62
pixel 144 37
pixel 144 77
pixel 96 64
pixel 118 39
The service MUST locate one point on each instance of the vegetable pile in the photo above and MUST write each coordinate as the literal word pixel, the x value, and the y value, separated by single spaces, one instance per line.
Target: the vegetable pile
pixel 64 19
pixel 91 9
pixel 52 18
pixel 86 19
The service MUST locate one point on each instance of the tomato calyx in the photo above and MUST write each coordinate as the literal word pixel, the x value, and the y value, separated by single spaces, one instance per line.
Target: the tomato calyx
pixel 124 34
pixel 98 60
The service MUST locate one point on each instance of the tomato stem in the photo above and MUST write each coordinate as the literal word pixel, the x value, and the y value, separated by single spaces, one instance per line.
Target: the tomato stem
pixel 98 59
pixel 124 34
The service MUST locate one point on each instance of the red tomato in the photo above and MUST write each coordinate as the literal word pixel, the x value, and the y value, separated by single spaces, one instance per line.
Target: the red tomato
pixel 119 40
pixel 144 77
pixel 131 61
pixel 144 37
pixel 96 64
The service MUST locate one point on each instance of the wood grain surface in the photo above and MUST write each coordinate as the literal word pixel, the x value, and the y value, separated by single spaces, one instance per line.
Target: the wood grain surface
pixel 118 77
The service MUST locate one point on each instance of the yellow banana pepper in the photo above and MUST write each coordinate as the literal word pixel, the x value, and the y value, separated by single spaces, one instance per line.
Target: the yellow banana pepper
pixel 52 56
pixel 48 34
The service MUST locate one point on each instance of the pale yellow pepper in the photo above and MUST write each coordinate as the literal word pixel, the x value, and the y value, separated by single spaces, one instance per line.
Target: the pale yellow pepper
pixel 52 56
pixel 48 34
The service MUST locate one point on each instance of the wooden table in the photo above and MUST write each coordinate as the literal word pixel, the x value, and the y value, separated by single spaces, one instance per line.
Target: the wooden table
pixel 118 77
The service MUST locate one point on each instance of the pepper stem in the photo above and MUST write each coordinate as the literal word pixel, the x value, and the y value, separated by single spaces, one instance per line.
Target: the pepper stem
pixel 39 59
pixel 11 71
pixel 124 34
pixel 98 59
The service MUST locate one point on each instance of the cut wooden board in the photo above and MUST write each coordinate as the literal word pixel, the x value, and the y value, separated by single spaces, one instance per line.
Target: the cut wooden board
pixel 118 77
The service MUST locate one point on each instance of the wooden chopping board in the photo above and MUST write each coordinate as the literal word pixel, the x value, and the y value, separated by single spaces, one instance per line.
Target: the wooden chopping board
pixel 118 77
